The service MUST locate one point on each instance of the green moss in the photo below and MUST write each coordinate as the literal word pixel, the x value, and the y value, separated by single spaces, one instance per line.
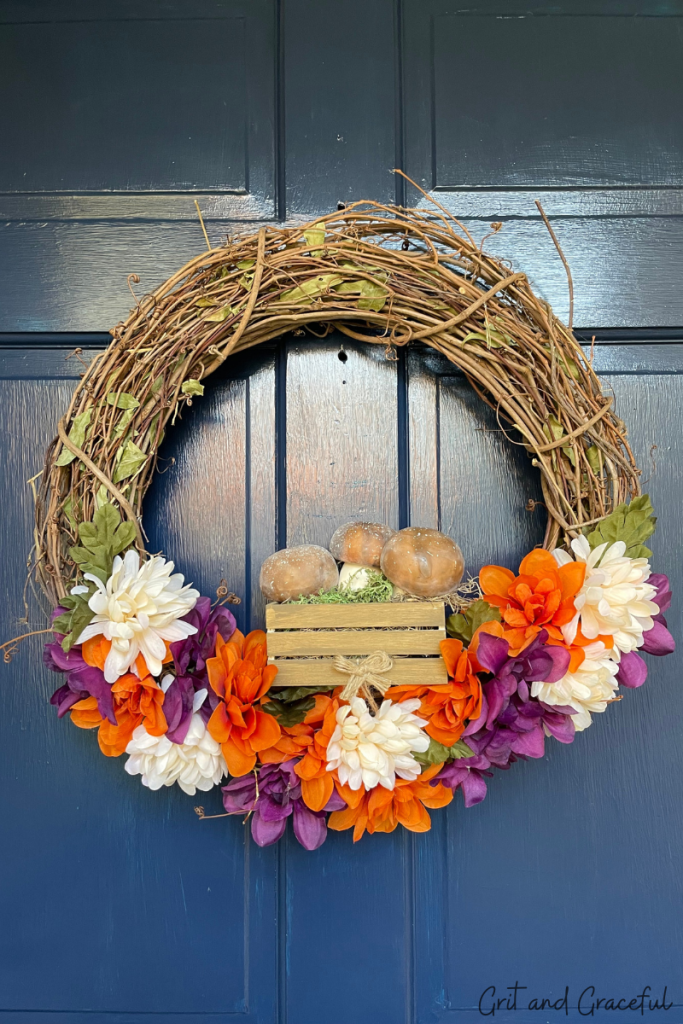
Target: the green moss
pixel 378 589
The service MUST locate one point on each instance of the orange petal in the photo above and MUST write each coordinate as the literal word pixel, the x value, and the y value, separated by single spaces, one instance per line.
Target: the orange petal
pixel 538 562
pixel 95 651
pixel 266 733
pixel 436 796
pixel 215 669
pixel 450 652
pixel 341 820
pixel 316 792
pixel 446 736
pixel 496 580
pixel 308 767
pixel 571 576
pixel 219 724
pixel 238 762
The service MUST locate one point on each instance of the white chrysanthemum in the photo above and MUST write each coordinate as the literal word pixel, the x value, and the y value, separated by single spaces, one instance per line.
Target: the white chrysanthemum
pixel 198 763
pixel 373 749
pixel 615 599
pixel 588 689
pixel 138 609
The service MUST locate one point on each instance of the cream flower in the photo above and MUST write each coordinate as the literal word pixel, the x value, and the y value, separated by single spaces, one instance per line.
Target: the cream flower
pixel 589 688
pixel 615 599
pixel 138 609
pixel 373 749
pixel 198 763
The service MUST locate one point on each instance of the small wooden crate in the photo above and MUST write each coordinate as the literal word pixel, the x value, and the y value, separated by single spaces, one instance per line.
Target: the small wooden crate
pixel 306 658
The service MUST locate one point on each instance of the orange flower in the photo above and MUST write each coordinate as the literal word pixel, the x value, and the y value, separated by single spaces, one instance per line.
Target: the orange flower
pixel 296 739
pixel 381 810
pixel 136 702
pixel 240 675
pixel 317 783
pixel 541 597
pixel 447 706
pixel 96 649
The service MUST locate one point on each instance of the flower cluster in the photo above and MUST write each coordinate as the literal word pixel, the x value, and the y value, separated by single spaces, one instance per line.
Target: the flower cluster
pixel 170 681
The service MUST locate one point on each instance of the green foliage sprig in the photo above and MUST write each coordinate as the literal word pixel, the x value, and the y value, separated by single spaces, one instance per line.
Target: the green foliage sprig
pixel 464 625
pixel 101 541
pixel 633 523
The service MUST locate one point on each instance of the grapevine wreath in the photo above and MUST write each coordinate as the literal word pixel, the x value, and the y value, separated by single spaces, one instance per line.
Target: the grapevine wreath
pixel 164 676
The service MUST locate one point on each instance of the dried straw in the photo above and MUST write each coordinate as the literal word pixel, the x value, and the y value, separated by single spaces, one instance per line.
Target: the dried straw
pixel 437 287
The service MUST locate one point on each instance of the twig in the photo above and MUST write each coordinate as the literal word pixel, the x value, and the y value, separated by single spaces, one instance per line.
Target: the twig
pixel 570 283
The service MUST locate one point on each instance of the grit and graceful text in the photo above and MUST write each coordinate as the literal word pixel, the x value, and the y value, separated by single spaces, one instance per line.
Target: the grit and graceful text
pixel 590 1003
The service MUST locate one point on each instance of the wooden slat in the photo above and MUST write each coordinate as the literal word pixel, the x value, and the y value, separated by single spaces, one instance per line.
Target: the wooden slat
pixel 417 613
pixel 351 642
pixel 426 671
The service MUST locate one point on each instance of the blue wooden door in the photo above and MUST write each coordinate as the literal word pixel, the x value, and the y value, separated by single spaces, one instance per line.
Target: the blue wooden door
pixel 118 906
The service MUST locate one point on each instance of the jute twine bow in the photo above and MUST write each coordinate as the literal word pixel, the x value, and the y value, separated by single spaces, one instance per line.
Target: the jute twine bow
pixel 365 673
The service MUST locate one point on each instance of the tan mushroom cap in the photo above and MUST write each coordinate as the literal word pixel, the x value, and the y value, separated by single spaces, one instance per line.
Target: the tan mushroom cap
pixel 360 543
pixel 423 562
pixel 298 572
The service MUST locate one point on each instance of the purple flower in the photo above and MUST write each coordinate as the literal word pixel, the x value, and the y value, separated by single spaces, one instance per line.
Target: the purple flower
pixel 190 655
pixel 468 774
pixel 512 721
pixel 81 681
pixel 279 797
pixel 658 640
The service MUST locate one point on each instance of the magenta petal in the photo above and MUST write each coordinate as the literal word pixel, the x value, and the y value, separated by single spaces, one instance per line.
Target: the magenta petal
pixel 309 828
pixel 335 803
pixel 660 581
pixel 560 726
pixel 473 789
pixel 267 832
pixel 492 652
pixel 632 670
pixel 658 640
pixel 530 744
pixel 560 663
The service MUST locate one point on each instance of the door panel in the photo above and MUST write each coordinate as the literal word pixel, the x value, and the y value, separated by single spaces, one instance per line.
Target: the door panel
pixel 564 866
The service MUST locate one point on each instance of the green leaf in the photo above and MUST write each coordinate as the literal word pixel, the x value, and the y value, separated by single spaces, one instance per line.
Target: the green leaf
pixel 437 753
pixel 632 523
pixel 306 292
pixel 131 462
pixel 288 694
pixel 593 456
pixel 77 435
pixel 220 315
pixel 192 387
pixel 492 339
pixel 289 714
pixel 204 303
pixel 315 236
pixel 73 622
pixel 245 264
pixel 101 540
pixel 373 295
pixel 123 401
pixel 464 625
pixel 68 509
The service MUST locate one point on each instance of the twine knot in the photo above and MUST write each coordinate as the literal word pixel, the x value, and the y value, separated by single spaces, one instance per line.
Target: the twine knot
pixel 365 673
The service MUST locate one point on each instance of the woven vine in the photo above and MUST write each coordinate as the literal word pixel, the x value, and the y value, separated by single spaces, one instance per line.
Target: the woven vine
pixel 380 274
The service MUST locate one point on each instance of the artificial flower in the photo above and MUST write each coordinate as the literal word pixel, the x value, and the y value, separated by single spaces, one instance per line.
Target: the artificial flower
pixel 317 784
pixel 296 739
pixel 447 706
pixel 540 597
pixel 240 676
pixel 82 681
pixel 589 688
pixel 192 652
pixel 381 810
pixel 614 600
pixel 368 749
pixel 467 774
pixel 657 641
pixel 273 795
pixel 195 764
pixel 136 702
pixel 138 609
pixel 512 721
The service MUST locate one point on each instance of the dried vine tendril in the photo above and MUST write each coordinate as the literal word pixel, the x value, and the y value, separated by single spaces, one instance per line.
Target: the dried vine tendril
pixel 380 274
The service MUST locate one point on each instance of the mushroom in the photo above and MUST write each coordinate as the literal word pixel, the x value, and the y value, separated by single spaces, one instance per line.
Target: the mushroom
pixel 298 572
pixel 422 562
pixel 360 543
